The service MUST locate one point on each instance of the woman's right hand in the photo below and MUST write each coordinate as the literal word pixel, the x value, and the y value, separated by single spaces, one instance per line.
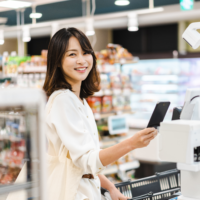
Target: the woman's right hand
pixel 143 137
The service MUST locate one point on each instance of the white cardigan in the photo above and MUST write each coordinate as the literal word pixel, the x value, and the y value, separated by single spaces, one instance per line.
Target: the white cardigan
pixel 71 125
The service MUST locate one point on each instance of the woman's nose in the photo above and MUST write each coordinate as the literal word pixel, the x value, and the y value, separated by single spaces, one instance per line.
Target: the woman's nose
pixel 80 59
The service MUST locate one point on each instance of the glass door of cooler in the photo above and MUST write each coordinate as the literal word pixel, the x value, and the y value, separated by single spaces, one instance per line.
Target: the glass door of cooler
pixel 22 146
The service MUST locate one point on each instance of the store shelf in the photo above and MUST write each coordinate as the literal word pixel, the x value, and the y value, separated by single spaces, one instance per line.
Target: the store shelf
pixel 114 169
pixel 129 165
pixel 125 61
pixel 111 170
pixel 99 116
pixel 35 69
pixel 178 75
pixel 109 92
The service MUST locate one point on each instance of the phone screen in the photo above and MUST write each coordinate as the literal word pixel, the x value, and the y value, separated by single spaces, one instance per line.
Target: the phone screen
pixel 158 114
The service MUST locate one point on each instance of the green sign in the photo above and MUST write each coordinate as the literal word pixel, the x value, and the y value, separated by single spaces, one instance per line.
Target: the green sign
pixel 187 4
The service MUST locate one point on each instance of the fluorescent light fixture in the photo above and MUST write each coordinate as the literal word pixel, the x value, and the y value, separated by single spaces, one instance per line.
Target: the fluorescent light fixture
pixel 26 35
pixel 133 22
pixel 133 28
pixel 15 4
pixel 122 2
pixel 35 15
pixel 1 37
pixel 26 39
pixel 89 27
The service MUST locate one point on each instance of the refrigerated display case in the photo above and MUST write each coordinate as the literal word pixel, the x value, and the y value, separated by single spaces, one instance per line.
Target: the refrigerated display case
pixel 161 80
pixel 22 144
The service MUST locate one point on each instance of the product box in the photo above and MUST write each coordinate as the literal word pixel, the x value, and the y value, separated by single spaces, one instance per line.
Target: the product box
pixel 95 103
pixel 106 103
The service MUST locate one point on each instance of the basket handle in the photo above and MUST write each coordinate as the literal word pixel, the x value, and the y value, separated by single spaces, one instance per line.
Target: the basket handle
pixel 167 172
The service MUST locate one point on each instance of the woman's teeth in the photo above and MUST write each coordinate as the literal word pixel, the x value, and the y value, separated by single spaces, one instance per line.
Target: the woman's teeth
pixel 81 69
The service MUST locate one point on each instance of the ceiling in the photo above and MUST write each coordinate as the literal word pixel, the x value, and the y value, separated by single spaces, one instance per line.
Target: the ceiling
pixel 55 9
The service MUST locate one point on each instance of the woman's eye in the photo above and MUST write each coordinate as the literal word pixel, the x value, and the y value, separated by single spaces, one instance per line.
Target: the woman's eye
pixel 86 53
pixel 72 54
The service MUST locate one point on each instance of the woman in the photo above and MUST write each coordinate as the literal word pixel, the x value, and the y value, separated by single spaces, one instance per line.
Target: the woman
pixel 71 129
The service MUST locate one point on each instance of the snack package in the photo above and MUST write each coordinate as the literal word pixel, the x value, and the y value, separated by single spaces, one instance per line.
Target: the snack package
pixel 105 83
pixel 106 103
pixel 95 104
pixel 115 80
pixel 113 53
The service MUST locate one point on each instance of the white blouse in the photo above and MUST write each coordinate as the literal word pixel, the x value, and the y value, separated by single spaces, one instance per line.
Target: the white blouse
pixel 72 123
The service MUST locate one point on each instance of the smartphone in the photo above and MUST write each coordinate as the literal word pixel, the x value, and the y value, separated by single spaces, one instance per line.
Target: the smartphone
pixel 158 114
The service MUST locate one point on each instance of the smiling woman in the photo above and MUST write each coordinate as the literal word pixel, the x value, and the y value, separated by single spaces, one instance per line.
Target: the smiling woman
pixel 75 159
pixel 71 59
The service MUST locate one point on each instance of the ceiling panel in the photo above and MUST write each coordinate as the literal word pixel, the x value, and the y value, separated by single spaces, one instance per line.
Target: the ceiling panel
pixel 73 8
pixel 165 2
pixel 54 11
pixel 108 6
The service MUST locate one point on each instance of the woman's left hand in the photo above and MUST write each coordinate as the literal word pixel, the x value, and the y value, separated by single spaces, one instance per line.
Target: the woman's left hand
pixel 117 195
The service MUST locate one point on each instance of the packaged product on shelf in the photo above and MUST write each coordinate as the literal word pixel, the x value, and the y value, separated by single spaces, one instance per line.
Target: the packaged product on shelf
pixel 106 103
pixel 39 60
pixel 12 149
pixel 44 56
pixel 105 83
pixel 126 82
pixel 11 64
pixel 127 102
pixel 115 80
pixel 118 102
pixel 95 103
pixel 113 53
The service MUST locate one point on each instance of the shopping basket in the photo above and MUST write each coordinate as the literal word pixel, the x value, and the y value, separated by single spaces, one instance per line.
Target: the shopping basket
pixel 161 186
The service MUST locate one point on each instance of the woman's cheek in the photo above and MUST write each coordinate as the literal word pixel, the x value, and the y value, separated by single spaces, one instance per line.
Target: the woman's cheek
pixel 91 61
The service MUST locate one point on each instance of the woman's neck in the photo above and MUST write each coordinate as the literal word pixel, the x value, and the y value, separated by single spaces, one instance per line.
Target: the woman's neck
pixel 76 88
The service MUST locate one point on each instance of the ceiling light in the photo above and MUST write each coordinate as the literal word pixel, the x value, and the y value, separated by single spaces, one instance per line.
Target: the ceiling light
pixel 26 35
pixel 89 27
pixel 122 2
pixel 133 22
pixel 14 4
pixel 1 37
pixel 35 15
pixel 133 28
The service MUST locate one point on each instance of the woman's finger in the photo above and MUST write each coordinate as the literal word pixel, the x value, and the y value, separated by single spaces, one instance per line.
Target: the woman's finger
pixel 148 130
pixel 152 134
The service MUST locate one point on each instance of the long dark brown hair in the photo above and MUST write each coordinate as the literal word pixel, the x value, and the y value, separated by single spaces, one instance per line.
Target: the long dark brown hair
pixel 55 79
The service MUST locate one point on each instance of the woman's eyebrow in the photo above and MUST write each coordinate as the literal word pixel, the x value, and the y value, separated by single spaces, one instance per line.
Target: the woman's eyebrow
pixel 72 50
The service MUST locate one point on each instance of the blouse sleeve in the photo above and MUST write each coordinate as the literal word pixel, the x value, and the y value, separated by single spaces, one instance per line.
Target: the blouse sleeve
pixel 66 119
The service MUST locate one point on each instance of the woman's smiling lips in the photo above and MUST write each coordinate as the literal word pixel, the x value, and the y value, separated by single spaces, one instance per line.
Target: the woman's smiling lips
pixel 81 69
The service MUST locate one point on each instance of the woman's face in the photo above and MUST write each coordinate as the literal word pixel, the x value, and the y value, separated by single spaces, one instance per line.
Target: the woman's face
pixel 76 63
